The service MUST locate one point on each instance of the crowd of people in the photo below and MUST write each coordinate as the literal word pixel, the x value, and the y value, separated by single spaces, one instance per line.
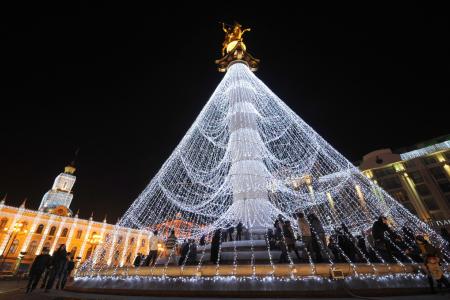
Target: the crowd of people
pixel 51 268
pixel 307 242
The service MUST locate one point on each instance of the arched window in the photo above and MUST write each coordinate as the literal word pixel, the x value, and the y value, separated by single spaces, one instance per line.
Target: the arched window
pixel 88 253
pixel 132 241
pixel 52 231
pixel 14 246
pixel 73 251
pixel 143 243
pixel 119 240
pixel 129 258
pixel 3 223
pixel 40 229
pixel 64 232
pixel 32 248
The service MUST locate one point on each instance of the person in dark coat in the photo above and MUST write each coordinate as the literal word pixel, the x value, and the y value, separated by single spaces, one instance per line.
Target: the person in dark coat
pixel 59 261
pixel 239 228
pixel 68 271
pixel 215 244
pixel 38 267
pixel 202 241
pixel 281 242
pixel 192 255
pixel 137 260
pixel 290 239
pixel 230 232
pixel 379 229
pixel 184 252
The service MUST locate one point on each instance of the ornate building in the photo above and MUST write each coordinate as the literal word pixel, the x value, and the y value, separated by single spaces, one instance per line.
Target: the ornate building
pixel 25 232
pixel 418 177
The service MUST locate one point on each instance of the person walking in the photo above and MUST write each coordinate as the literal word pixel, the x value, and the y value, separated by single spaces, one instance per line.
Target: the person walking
pixel 435 273
pixel 304 232
pixel 171 246
pixel 59 261
pixel 215 245
pixel 230 232
pixel 137 260
pixel 239 228
pixel 290 238
pixel 40 263
pixel 154 240
pixel 184 252
pixel 68 270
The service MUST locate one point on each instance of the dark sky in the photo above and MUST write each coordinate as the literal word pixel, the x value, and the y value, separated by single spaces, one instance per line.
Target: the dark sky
pixel 124 83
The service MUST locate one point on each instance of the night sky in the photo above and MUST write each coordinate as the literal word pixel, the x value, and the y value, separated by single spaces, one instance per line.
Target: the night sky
pixel 125 83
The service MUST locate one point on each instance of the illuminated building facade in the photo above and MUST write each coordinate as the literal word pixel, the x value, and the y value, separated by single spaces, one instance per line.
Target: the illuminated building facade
pixel 418 177
pixel 25 232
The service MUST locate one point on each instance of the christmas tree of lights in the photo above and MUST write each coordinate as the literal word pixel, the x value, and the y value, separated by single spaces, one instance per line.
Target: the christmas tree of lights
pixel 249 158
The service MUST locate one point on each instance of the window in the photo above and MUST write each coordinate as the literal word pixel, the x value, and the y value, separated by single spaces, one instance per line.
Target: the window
pixel 391 183
pixel 400 196
pixel 32 248
pixel 116 255
pixel 384 172
pixel 13 247
pixel 3 223
pixel 129 258
pixel 73 251
pixel 438 173
pixel 445 186
pixel 40 229
pixel 428 160
pixel 64 232
pixel 423 190
pixel 52 231
pixel 119 240
pixel 143 243
pixel 430 203
pixel 132 241
pixel 79 233
pixel 416 177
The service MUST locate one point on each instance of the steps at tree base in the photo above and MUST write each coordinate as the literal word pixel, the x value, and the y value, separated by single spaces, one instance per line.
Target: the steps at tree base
pixel 250 287
pixel 279 270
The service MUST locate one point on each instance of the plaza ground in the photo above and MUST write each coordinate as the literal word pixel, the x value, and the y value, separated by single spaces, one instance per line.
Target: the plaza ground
pixel 16 290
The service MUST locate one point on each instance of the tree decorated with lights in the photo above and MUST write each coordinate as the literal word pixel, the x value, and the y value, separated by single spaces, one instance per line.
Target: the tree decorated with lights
pixel 249 158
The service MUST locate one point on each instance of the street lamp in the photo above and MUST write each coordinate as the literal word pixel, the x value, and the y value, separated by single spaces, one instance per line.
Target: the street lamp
pixel 16 230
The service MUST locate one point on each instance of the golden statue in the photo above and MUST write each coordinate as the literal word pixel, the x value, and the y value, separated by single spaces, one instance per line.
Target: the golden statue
pixel 233 35
pixel 234 49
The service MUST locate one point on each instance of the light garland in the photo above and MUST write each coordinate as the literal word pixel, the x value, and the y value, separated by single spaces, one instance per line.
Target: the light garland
pixel 249 158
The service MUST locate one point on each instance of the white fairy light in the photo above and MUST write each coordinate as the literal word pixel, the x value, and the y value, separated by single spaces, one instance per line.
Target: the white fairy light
pixel 249 158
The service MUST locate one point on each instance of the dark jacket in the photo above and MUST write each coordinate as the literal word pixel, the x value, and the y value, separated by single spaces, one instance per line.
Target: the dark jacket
pixel 378 230
pixel 40 263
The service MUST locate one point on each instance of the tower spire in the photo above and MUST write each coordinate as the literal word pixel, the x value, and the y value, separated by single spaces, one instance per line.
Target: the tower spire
pixel 234 48
pixel 23 203
pixel 2 202
pixel 70 168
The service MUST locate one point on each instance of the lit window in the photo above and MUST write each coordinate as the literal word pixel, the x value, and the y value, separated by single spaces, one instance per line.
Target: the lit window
pixel 40 229
pixel 14 246
pixel 52 231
